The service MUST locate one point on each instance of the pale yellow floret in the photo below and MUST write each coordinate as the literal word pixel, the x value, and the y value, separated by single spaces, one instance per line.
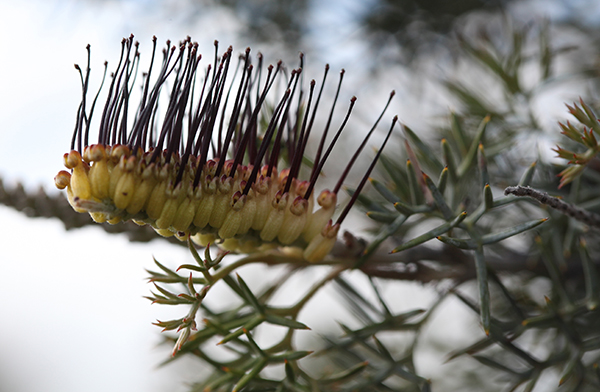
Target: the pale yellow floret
pixel 116 185
pixel 230 225
pixel 71 199
pixel 118 157
pixel 319 218
pixel 72 159
pixel 167 215
pixel 99 173
pixel 164 232
pixel 158 196
pixel 231 245
pixel 124 190
pixel 115 220
pixel 206 204
pixel 263 202
pixel 115 176
pixel 275 219
pixel 98 217
pixel 322 244
pixel 147 180
pixel 100 179
pixel 248 212
pixel 141 195
pixel 157 200
pixel 222 202
pixel 204 239
pixel 234 217
pixel 80 183
pixel 185 213
pixel 293 221
pixel 175 199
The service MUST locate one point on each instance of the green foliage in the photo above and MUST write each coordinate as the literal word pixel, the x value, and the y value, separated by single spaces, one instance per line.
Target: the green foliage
pixel 445 212
pixel 569 318
pixel 438 215
pixel 585 137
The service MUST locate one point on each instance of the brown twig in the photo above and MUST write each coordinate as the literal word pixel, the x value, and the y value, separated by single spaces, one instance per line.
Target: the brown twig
pixel 587 217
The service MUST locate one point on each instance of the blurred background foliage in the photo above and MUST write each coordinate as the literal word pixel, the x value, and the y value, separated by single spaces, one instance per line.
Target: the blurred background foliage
pixel 501 66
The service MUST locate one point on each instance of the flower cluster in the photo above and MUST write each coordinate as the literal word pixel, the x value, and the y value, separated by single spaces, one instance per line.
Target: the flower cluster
pixel 207 167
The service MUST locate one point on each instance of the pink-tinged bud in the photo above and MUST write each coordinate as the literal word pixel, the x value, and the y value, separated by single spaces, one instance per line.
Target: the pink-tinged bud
pixel 227 167
pixel 224 184
pixel 97 152
pixel 163 171
pixel 283 175
pixel 319 218
pixel 301 187
pixel 119 151
pixel 210 168
pixel 237 201
pixel 279 202
pixel 149 172
pixel 327 199
pixel 62 179
pixel 299 206
pixel 130 163
pixel 86 155
pixel 245 172
pixel 72 159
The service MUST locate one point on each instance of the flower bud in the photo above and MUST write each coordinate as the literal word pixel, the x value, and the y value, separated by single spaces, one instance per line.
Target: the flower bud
pixel 62 179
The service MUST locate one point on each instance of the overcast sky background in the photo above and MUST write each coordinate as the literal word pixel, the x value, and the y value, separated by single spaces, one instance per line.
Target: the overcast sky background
pixel 72 316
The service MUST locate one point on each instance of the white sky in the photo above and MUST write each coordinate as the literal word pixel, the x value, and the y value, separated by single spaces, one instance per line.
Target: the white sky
pixel 63 294
pixel 62 291
pixel 66 293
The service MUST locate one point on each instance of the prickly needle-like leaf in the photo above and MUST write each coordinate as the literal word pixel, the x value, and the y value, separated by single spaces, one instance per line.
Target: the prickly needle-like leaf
pixel 431 233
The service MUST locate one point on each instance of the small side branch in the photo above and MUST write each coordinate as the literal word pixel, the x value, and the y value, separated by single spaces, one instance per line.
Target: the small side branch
pixel 589 218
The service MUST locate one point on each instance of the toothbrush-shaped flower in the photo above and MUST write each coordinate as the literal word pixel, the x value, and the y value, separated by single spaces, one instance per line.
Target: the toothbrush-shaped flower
pixel 205 166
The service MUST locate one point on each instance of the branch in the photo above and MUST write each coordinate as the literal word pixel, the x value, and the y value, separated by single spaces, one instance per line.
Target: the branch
pixel 42 204
pixel 587 217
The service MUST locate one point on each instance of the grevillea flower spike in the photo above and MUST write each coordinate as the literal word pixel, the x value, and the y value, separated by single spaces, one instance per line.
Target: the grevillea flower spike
pixel 207 165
